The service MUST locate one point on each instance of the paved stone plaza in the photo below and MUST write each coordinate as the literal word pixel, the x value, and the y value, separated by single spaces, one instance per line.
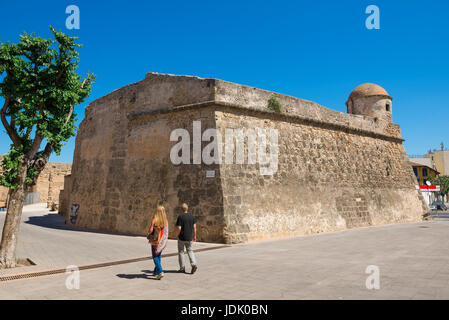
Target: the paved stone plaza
pixel 412 259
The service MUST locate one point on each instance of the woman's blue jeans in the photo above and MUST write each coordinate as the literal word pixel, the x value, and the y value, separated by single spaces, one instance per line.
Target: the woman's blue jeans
pixel 157 261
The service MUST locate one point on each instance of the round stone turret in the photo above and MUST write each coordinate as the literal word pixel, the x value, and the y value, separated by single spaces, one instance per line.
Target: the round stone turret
pixel 372 100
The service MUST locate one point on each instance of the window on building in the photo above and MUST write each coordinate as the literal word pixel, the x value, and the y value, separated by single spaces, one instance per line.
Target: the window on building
pixel 415 170
pixel 388 106
pixel 424 172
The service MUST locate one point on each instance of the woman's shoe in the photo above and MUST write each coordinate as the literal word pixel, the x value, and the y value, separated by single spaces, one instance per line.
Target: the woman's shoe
pixel 160 276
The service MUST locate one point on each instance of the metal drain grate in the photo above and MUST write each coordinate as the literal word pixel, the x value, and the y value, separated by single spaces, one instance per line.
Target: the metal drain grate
pixel 92 266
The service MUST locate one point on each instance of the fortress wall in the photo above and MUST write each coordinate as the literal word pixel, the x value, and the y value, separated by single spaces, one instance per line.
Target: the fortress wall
pixel 122 170
pixel 336 170
pixel 327 180
pixel 254 98
pixel 159 92
pixel 152 178
pixel 96 148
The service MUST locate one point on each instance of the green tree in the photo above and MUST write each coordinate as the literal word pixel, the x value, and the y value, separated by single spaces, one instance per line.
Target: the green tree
pixel 443 182
pixel 40 88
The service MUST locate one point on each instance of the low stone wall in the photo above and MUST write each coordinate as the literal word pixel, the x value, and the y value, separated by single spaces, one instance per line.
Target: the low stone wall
pixel 64 197
pixel 51 181
pixel 48 185
pixel 3 196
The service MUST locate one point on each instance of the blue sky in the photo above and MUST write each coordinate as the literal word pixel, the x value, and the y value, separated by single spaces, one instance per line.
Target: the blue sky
pixel 317 50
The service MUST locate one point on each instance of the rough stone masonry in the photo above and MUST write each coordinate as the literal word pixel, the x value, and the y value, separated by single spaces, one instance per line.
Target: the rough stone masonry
pixel 48 185
pixel 335 170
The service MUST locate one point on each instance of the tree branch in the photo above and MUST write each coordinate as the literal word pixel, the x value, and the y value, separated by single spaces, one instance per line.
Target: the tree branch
pixel 12 133
pixel 13 121
pixel 72 107
pixel 39 164
pixel 35 146
pixel 28 133
pixel 84 81
pixel 37 138
pixel 68 117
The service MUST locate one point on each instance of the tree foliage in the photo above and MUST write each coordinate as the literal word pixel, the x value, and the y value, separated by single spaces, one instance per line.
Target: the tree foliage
pixel 40 87
pixel 443 182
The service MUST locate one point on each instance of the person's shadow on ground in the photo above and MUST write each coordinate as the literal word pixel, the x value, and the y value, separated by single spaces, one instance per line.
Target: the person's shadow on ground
pixel 134 276
pixel 147 274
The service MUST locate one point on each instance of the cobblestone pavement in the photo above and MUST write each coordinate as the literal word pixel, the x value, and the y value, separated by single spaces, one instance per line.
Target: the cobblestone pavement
pixel 412 261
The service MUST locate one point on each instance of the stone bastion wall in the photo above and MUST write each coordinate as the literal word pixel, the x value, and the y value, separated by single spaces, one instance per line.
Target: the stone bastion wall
pixel 335 170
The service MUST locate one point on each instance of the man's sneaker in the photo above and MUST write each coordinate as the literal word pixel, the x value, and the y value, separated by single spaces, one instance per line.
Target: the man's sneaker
pixel 194 268
pixel 160 276
pixel 182 270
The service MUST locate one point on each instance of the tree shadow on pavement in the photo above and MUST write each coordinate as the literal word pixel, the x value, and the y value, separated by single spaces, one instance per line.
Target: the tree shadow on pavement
pixel 50 220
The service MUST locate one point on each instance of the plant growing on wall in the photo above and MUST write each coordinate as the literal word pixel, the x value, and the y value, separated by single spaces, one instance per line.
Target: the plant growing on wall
pixel 274 105
pixel 40 88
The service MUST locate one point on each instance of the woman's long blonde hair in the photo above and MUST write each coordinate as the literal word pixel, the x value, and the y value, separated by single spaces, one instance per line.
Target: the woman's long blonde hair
pixel 159 217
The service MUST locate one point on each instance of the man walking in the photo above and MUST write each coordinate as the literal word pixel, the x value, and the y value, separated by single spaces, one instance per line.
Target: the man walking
pixel 186 225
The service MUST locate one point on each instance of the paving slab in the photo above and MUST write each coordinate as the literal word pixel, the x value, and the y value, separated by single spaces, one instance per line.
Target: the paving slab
pixel 411 258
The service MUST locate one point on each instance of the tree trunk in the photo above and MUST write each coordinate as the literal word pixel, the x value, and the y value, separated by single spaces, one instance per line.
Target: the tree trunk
pixel 11 227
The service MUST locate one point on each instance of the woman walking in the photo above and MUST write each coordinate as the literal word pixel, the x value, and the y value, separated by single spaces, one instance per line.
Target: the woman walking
pixel 158 236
